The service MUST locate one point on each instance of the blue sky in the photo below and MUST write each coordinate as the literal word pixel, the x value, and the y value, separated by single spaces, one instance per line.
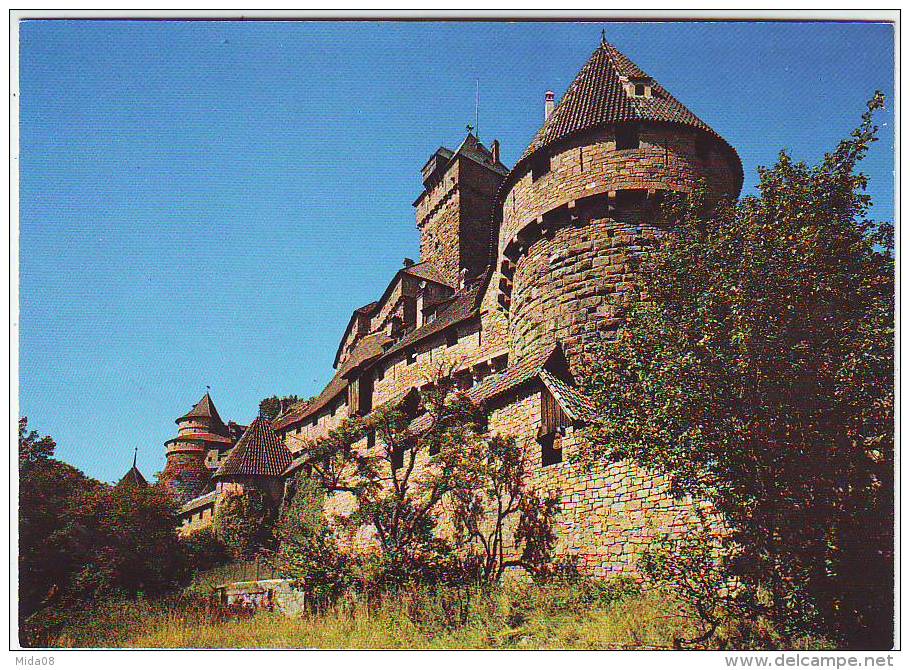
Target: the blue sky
pixel 205 203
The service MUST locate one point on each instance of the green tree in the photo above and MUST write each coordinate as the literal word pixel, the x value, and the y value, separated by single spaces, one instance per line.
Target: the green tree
pixel 271 407
pixel 33 449
pixel 440 468
pixel 126 541
pixel 759 374
pixel 494 503
pixel 47 488
pixel 243 521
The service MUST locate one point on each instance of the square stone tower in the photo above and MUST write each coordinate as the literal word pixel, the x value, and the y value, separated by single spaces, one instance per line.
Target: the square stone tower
pixel 454 212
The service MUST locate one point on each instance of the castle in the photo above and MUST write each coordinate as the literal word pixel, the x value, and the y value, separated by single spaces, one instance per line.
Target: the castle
pixel 519 270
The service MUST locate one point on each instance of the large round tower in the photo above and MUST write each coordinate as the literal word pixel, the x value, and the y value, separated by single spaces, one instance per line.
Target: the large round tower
pixel 578 207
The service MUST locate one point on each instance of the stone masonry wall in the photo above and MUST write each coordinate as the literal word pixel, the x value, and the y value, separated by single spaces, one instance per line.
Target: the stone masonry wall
pixel 565 280
pixel 565 288
pixel 668 158
pixel 185 475
pixel 608 516
pixel 438 221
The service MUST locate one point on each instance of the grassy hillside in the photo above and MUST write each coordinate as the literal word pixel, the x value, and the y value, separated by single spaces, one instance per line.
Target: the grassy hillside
pixel 522 616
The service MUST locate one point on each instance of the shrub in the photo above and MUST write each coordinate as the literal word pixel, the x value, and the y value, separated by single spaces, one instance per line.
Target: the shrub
pixel 307 550
pixel 205 550
pixel 243 522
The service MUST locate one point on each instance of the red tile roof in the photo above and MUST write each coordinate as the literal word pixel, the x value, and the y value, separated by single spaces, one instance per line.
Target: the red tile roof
pixel 204 409
pixel 367 349
pixel 464 305
pixel 577 405
pixel 597 97
pixel 201 501
pixel 258 453
pixel 536 367
pixel 133 478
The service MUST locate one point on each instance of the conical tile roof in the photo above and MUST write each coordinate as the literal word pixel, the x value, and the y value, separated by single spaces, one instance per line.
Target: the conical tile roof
pixel 204 409
pixel 133 477
pixel 259 453
pixel 598 96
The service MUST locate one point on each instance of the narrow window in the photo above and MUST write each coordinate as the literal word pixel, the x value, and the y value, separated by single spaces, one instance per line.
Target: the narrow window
pixel 639 89
pixel 626 137
pixel 550 449
pixel 371 439
pixel 540 166
pixel 451 338
pixel 380 373
pixel 411 358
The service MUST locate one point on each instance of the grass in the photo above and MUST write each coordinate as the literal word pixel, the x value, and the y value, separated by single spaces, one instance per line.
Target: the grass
pixel 517 614
pixel 514 616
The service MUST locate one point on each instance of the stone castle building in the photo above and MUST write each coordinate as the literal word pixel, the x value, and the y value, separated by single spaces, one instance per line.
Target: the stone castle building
pixel 519 270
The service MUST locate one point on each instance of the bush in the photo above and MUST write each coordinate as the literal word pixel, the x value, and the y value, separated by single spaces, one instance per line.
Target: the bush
pixel 243 522
pixel 126 541
pixel 205 550
pixel 307 551
pixel 759 376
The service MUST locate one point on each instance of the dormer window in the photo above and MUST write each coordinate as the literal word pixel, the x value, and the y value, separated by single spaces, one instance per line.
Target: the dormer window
pixel 640 88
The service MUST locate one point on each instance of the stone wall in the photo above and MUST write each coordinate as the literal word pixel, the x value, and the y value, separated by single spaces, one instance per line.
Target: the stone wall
pixel 185 475
pixel 455 219
pixel 199 519
pixel 607 516
pixel 318 426
pixel 437 218
pixel 668 158
pixel 572 236
pixel 565 287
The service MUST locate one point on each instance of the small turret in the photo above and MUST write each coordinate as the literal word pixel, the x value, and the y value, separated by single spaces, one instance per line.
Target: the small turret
pixel 133 478
pixel 202 439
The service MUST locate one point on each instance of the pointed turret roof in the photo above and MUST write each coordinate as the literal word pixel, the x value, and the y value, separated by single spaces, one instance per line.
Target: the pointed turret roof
pixel 602 94
pixel 204 409
pixel 133 477
pixel 259 452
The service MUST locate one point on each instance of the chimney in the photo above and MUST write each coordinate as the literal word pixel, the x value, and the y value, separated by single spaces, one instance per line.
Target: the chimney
pixel 549 103
pixel 494 149
pixel 408 262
